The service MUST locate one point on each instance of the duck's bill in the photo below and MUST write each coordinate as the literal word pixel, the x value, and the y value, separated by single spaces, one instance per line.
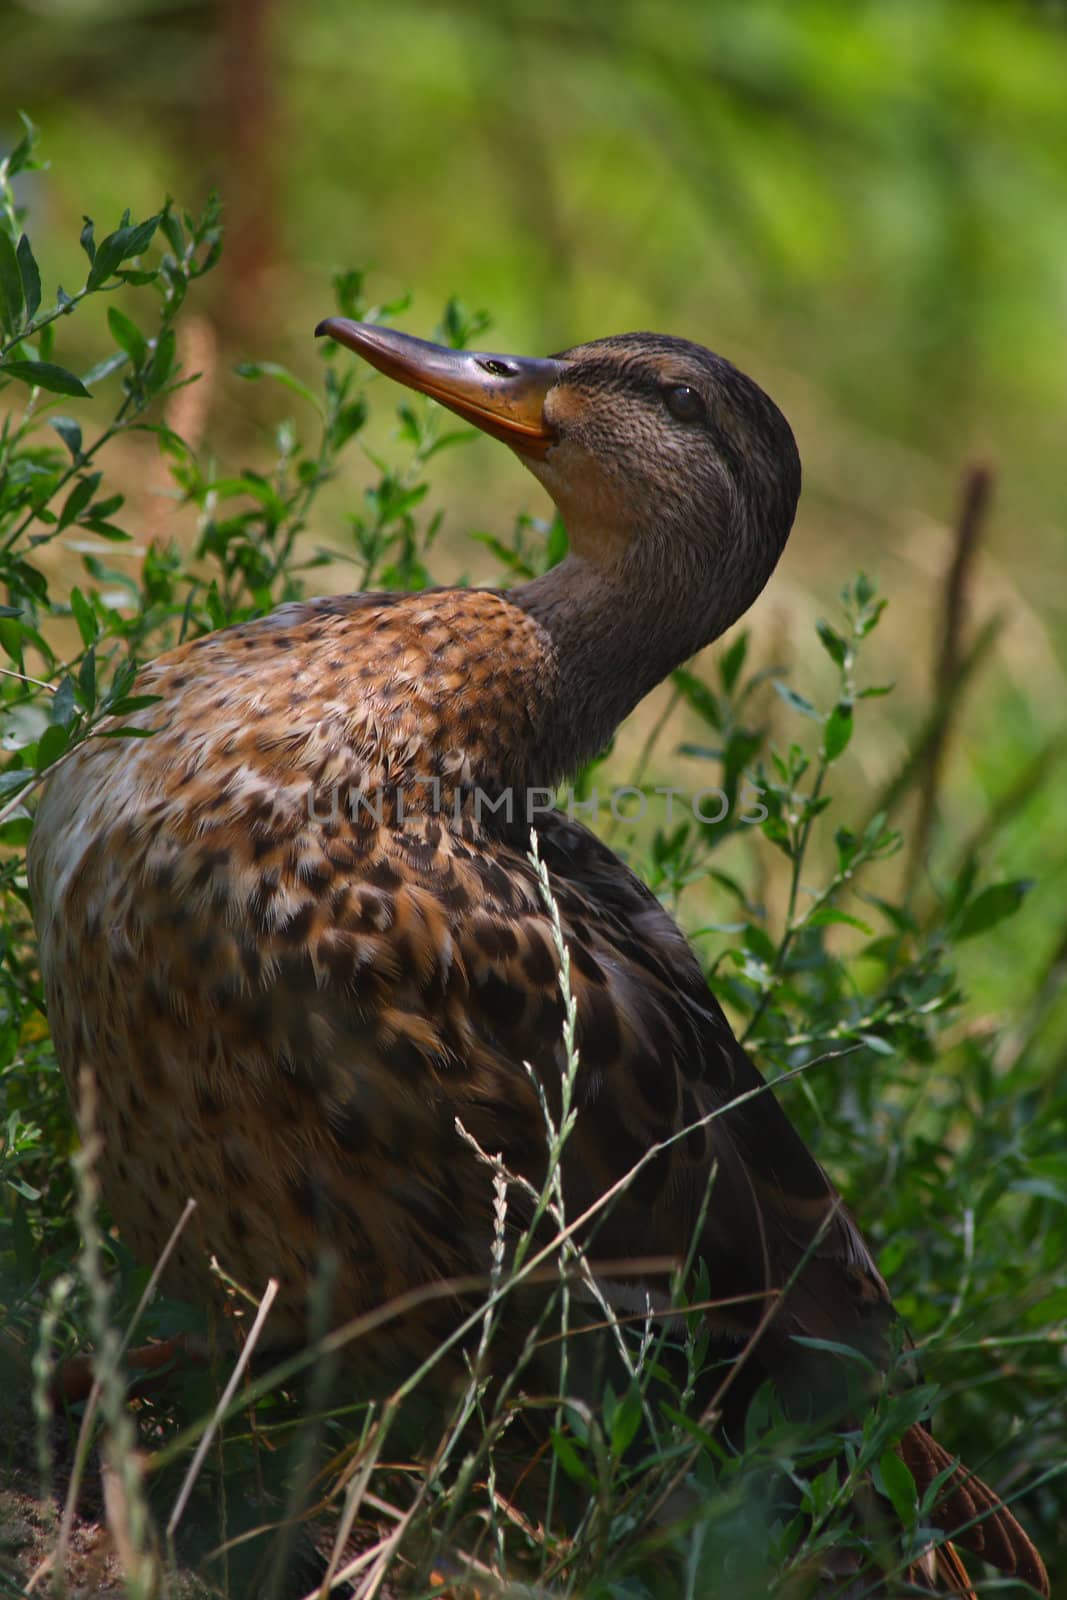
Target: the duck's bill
pixel 502 395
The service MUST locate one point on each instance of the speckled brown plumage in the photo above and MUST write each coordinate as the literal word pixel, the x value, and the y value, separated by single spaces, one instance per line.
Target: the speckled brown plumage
pixel 293 944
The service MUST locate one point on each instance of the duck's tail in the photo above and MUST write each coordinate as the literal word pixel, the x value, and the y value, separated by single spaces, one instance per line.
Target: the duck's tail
pixel 975 1517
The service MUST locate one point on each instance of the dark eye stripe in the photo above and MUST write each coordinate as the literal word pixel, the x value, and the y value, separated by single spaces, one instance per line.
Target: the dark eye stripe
pixel 634 376
pixel 616 375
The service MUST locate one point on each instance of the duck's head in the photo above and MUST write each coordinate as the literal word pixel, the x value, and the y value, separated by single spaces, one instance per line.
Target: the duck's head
pixel 667 463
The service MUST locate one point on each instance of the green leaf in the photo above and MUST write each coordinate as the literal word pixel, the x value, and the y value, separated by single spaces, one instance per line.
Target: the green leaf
pixel 69 432
pixel 271 369
pixel 689 1425
pixel 45 375
pixel 349 420
pixel 869 620
pixel 828 915
pixel 126 241
pixel 132 702
pixel 63 707
pixel 569 1459
pixel 107 506
pixel 162 362
pixel 847 1352
pixel 832 642
pixel 876 835
pixel 731 663
pixel 993 905
pixel 894 1479
pixel 445 441
pixel 22 155
pixel 107 530
pixel 760 943
pixel 16 832
pixel 838 731
pixel 10 285
pixel 863 589
pixel 15 634
pixel 140 237
pixel 105 368
pixel 348 290
pixel 87 677
pixel 86 239
pixel 127 335
pixel 797 701
pixel 15 778
pixel 699 696
pixel 776 831
pixel 900 918
pixel 84 616
pixel 625 1421
pixel 881 1047
pixel 13 638
pixel 172 230
pixel 255 487
pixel 504 553
pixel 31 277
pixel 556 547
pixel 20 1186
pixel 78 498
pixel 37 584
pixel 51 745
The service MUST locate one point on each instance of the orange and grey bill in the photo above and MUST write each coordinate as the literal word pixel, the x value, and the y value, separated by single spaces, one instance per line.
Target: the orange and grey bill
pixel 502 395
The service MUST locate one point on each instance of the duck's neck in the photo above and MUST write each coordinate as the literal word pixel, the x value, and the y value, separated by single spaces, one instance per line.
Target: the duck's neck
pixel 613 635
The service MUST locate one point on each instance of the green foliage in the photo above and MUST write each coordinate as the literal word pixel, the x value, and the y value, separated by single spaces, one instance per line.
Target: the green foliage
pixel 946 1137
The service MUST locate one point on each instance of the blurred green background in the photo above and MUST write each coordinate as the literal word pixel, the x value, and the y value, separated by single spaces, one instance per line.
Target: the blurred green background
pixel 864 205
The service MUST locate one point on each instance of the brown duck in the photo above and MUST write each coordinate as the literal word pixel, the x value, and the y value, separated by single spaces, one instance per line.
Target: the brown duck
pixel 295 934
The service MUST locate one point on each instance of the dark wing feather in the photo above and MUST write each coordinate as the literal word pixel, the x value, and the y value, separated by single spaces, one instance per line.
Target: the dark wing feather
pixel 657 1055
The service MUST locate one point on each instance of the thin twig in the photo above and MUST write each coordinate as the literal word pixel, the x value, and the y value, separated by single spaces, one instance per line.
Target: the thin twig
pixel 892 793
pixel 974 508
pixel 24 677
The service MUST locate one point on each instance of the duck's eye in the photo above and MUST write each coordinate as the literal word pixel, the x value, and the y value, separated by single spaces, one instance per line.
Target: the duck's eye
pixel 684 403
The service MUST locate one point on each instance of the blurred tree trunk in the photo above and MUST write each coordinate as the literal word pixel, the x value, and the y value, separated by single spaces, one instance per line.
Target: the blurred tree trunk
pixel 240 118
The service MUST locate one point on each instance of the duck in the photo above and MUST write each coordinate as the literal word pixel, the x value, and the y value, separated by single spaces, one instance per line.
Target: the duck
pixel 297 941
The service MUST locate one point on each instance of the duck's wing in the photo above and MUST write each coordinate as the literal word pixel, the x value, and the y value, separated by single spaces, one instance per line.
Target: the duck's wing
pixel 660 1067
